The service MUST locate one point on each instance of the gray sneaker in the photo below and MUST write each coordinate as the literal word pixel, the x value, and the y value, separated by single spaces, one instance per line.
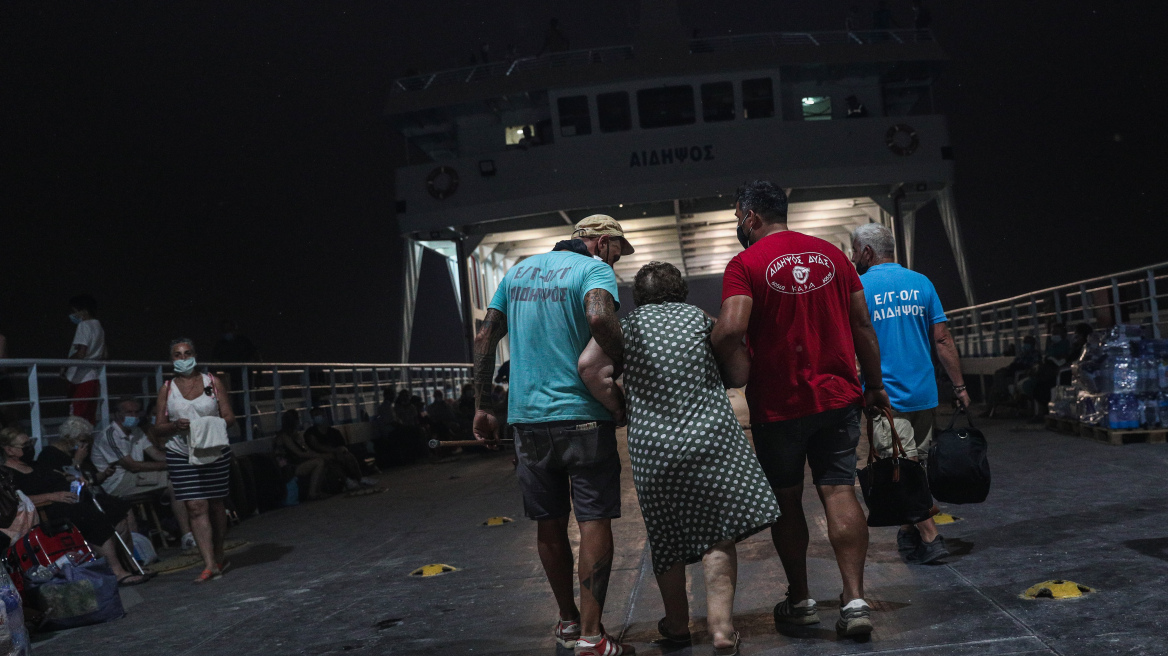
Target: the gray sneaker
pixel 788 613
pixel 931 551
pixel 908 541
pixel 854 622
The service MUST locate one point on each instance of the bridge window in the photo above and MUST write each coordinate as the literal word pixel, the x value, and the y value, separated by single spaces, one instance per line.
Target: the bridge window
pixel 613 113
pixel 666 106
pixel 817 108
pixel 575 118
pixel 718 102
pixel 758 98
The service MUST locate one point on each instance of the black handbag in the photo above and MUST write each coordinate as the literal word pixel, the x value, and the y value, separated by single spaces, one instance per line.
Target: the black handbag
pixel 896 489
pixel 959 464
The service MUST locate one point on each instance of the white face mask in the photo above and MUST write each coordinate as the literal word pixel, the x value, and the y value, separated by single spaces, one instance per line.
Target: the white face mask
pixel 184 367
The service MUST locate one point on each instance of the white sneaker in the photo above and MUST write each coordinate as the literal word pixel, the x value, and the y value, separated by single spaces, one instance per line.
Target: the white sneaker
pixel 188 541
pixel 351 484
pixel 369 481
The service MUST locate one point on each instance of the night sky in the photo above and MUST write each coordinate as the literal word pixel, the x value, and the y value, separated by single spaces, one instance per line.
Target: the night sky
pixel 188 163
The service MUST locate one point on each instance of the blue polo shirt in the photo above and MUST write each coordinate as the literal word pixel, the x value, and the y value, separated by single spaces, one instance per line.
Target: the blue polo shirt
pixel 543 298
pixel 904 306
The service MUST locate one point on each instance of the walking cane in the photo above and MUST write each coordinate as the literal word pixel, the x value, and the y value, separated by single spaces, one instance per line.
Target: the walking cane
pixel 129 551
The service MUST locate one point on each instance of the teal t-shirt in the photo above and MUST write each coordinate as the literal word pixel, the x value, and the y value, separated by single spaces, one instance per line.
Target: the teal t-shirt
pixel 543 298
pixel 904 307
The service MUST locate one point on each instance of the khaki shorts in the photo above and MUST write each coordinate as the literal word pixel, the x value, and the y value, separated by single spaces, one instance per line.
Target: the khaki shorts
pixel 139 483
pixel 914 428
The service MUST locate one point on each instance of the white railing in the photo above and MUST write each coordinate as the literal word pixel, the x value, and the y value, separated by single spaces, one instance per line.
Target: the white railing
pixel 787 39
pixel 1128 297
pixel 569 59
pixel 259 392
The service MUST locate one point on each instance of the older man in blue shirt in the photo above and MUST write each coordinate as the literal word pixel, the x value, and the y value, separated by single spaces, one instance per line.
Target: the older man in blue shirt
pixel 909 322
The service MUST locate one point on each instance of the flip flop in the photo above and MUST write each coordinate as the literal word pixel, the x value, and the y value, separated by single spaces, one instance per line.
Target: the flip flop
pixel 142 578
pixel 669 639
pixel 731 650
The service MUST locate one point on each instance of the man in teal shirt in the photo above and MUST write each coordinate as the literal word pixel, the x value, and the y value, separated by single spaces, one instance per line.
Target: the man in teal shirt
pixel 909 322
pixel 552 304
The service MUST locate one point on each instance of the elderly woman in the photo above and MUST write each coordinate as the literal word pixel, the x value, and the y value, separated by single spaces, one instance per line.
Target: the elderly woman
pixel 47 486
pixel 192 395
pixel 700 486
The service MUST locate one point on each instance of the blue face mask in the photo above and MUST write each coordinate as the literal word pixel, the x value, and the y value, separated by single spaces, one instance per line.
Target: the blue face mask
pixel 75 318
pixel 184 367
pixel 130 422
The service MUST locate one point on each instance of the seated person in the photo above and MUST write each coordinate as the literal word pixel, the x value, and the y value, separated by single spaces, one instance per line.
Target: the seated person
pixel 443 421
pixel 130 464
pixel 1044 376
pixel 1026 358
pixel 68 451
pixel 327 442
pixel 290 447
pixel 44 485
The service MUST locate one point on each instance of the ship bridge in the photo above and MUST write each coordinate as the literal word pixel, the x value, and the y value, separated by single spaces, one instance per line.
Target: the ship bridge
pixel 659 134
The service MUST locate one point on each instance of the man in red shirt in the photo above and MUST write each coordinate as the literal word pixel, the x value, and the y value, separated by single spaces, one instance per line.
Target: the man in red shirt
pixel 799 302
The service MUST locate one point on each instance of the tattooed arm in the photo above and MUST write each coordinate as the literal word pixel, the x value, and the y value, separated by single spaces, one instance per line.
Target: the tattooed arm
pixel 494 326
pixel 601 310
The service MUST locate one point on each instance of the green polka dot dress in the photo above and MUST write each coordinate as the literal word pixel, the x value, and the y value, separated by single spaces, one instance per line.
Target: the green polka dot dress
pixel 697 478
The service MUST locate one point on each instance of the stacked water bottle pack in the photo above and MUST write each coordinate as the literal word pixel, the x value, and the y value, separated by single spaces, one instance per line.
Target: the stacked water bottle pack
pixel 1120 382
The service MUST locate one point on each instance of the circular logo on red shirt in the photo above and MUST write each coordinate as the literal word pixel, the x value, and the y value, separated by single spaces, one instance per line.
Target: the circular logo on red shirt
pixel 799 273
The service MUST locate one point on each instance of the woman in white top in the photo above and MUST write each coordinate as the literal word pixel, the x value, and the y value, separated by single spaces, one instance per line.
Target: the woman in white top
pixel 201 487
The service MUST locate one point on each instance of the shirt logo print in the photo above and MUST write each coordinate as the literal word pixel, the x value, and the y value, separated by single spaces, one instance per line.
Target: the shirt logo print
pixel 799 273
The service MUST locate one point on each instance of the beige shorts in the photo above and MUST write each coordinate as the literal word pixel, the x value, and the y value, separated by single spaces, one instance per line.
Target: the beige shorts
pixel 914 428
pixel 139 483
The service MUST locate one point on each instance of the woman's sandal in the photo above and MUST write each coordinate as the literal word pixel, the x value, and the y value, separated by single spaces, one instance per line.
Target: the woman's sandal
pixel 142 578
pixel 207 575
pixel 221 568
pixel 731 650
pixel 670 639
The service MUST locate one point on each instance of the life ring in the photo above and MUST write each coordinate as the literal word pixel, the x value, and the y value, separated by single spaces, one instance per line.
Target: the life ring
pixel 896 137
pixel 442 182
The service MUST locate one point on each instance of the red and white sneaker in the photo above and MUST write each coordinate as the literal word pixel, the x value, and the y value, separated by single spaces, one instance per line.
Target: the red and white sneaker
pixel 567 632
pixel 608 646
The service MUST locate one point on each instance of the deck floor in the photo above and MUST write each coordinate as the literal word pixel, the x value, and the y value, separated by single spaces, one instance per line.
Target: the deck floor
pixel 332 576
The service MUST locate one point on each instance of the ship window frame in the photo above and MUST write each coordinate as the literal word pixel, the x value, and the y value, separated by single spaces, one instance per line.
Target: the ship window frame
pixel 601 117
pixel 822 114
pixel 580 122
pixel 706 97
pixel 764 103
pixel 649 100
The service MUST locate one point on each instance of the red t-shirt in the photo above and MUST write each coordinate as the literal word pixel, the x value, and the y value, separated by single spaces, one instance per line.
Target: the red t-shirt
pixel 800 337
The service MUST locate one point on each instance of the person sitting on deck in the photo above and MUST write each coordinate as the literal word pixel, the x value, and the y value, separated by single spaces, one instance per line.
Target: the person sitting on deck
pixel 290 446
pixel 328 443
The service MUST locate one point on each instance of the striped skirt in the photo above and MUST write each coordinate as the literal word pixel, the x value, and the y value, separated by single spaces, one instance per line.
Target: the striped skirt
pixel 192 482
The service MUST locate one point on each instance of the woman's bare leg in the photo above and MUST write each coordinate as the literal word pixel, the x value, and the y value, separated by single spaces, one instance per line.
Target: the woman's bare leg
pixel 675 599
pixel 201 528
pixel 218 512
pixel 721 568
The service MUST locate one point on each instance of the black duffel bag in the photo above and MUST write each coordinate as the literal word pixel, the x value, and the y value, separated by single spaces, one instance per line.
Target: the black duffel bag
pixel 959 464
pixel 896 489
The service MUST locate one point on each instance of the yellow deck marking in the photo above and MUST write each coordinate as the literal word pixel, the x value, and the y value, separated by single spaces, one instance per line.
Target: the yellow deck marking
pixel 497 521
pixel 437 569
pixel 940 519
pixel 1058 589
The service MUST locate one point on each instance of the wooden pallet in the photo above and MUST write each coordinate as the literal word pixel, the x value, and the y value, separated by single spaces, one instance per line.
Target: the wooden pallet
pixel 1121 437
pixel 1061 425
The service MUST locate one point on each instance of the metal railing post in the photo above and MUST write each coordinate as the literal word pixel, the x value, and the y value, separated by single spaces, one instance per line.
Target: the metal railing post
pixel 306 380
pixel 1014 319
pixel 248 428
pixel 158 378
pixel 103 381
pixel 1058 306
pixel 376 389
pixel 966 329
pixel 277 393
pixel 1153 304
pixel 34 407
pixel 1088 315
pixel 1034 316
pixel 333 393
pixel 1115 302
pixel 358 402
